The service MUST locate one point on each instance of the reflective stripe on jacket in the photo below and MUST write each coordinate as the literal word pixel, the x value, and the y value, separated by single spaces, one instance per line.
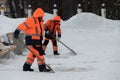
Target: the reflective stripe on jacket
pixel 33 30
pixel 32 27
pixel 53 28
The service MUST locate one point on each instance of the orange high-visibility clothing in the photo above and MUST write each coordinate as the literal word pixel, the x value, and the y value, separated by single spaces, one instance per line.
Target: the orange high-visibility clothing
pixel 54 44
pixel 54 30
pixel 31 57
pixel 32 27
pixel 51 26
pixel 34 30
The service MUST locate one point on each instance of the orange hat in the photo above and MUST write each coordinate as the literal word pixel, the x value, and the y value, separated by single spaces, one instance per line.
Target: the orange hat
pixel 38 13
pixel 57 18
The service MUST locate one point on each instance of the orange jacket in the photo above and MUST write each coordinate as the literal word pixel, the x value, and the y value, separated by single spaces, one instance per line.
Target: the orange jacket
pixel 53 27
pixel 32 26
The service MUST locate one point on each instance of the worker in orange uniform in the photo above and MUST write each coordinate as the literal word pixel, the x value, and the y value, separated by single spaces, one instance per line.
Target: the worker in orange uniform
pixel 33 29
pixel 52 29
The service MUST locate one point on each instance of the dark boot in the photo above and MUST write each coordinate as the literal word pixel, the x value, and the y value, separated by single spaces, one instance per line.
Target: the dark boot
pixel 26 67
pixel 56 53
pixel 42 68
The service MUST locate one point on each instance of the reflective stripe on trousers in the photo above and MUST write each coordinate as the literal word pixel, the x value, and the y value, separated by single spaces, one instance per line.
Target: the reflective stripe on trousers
pixel 31 57
pixel 54 44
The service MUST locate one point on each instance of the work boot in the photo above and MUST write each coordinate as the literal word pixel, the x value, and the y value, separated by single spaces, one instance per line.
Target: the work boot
pixel 26 67
pixel 56 53
pixel 42 68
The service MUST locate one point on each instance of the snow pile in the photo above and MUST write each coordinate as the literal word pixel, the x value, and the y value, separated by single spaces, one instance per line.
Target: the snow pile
pixel 91 21
pixel 8 24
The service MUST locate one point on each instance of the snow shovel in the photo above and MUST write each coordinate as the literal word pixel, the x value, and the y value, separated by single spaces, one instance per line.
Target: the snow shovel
pixel 68 48
pixel 37 56
pixel 65 45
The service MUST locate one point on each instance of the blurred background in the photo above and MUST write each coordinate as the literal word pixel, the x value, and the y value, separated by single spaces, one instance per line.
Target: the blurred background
pixel 65 8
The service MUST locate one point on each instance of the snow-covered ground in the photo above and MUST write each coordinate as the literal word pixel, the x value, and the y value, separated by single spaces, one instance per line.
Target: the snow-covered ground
pixel 95 39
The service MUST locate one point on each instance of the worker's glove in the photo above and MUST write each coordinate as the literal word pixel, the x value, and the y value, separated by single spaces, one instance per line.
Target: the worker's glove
pixel 16 36
pixel 47 32
pixel 58 39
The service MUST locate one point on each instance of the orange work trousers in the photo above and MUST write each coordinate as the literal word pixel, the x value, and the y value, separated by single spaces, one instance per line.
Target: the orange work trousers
pixel 31 57
pixel 54 44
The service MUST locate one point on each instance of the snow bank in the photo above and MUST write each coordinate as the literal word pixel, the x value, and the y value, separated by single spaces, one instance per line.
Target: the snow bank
pixel 90 20
pixel 8 24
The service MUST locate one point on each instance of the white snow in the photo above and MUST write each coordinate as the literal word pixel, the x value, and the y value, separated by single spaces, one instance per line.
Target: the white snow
pixel 95 39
